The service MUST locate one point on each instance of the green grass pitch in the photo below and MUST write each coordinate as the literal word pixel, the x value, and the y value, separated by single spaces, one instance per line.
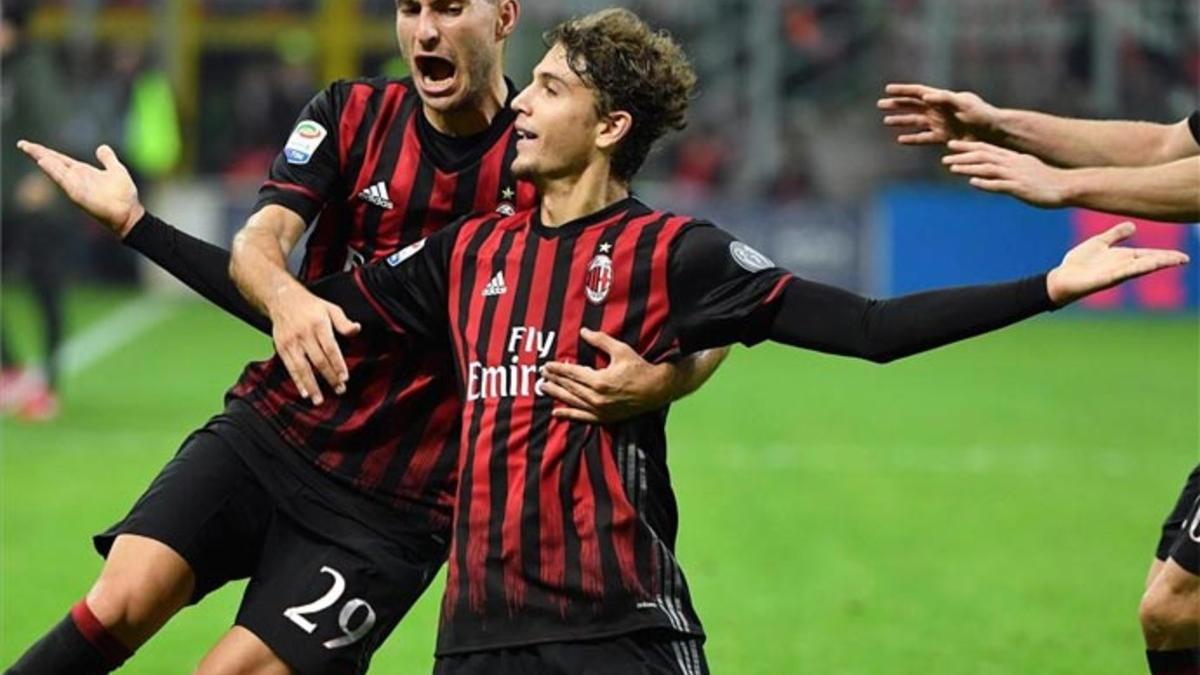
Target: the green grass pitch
pixel 990 508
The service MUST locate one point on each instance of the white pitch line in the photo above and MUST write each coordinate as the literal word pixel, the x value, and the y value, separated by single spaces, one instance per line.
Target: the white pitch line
pixel 114 331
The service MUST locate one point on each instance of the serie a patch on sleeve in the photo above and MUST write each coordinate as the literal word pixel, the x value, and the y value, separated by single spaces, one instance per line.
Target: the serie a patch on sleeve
pixel 405 253
pixel 304 141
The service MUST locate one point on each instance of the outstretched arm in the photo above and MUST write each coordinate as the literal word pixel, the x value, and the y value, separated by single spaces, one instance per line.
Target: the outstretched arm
pixel 110 196
pixel 838 322
pixel 925 115
pixel 723 292
pixel 1165 192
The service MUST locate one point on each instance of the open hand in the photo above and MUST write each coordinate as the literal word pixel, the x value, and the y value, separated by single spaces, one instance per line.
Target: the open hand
pixel 303 327
pixel 997 169
pixel 108 195
pixel 629 386
pixel 1099 263
pixel 931 116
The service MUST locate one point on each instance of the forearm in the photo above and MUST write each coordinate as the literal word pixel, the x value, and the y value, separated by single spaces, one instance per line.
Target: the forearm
pixel 1078 143
pixel 691 372
pixel 259 262
pixel 201 266
pixel 1168 192
pixel 835 321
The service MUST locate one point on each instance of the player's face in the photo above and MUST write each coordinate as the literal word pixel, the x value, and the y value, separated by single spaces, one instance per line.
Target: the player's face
pixel 453 47
pixel 557 122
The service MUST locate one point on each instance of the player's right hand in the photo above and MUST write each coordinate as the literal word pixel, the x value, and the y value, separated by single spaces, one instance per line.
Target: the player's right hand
pixel 108 195
pixel 924 115
pixel 303 328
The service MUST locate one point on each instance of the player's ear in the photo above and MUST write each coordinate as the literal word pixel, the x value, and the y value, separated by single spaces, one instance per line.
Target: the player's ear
pixel 612 129
pixel 506 18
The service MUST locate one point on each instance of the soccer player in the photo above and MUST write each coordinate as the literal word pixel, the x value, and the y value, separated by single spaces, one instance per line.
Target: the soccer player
pixel 1136 169
pixel 563 543
pixel 337 510
pixel 563 551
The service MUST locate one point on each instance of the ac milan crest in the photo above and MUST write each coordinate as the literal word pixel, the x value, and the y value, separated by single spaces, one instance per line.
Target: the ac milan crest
pixel 599 278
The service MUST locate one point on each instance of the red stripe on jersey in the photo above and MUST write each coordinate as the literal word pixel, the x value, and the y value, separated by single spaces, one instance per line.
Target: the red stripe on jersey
pixel 292 187
pixel 429 448
pixel 526 195
pixel 550 530
pixel 393 101
pixel 402 183
pixel 521 424
pixel 352 117
pixel 778 289
pixel 441 202
pixel 624 518
pixel 491 168
pixel 659 303
pixel 479 501
pixel 455 290
pixel 584 514
pixel 379 309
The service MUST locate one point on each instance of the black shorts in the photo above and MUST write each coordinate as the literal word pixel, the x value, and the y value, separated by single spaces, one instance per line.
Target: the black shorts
pixel 325 587
pixel 1180 538
pixel 642 653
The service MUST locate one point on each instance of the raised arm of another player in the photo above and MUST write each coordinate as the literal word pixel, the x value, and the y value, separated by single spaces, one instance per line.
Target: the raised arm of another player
pixel 110 196
pixel 722 292
pixel 1165 192
pixel 304 327
pixel 927 115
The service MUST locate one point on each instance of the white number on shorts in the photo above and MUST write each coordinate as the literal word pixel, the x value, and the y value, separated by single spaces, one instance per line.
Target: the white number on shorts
pixel 296 614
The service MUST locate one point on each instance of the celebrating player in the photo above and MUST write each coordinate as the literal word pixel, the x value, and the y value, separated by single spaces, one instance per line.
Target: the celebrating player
pixel 563 549
pixel 1132 168
pixel 350 493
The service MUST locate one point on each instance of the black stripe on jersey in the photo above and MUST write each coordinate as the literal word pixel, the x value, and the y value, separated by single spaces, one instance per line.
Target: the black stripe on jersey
pixel 635 316
pixel 464 191
pixel 593 315
pixel 385 169
pixel 466 483
pixel 543 406
pixel 412 227
pixel 420 411
pixel 502 422
pixel 349 403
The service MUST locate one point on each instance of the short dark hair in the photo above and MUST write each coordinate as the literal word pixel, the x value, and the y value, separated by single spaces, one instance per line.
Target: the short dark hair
pixel 16 12
pixel 632 68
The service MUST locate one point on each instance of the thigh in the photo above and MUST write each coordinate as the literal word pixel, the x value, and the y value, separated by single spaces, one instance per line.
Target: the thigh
pixel 241 652
pixel 206 506
pixel 325 603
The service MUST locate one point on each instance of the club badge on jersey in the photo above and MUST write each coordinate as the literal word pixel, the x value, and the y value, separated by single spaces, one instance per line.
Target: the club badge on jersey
pixel 304 141
pixel 749 259
pixel 599 276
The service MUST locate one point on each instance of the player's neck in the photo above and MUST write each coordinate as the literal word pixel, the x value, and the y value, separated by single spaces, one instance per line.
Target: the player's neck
pixel 475 115
pixel 568 199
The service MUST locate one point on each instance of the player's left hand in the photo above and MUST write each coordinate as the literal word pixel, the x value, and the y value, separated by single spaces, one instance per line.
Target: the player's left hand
pixel 1099 263
pixel 627 387
pixel 995 169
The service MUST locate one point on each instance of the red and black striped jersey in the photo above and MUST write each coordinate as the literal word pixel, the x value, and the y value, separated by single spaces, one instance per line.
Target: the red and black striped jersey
pixel 562 530
pixel 372 175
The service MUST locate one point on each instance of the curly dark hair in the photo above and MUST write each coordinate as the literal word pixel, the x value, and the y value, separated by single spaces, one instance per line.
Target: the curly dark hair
pixel 632 68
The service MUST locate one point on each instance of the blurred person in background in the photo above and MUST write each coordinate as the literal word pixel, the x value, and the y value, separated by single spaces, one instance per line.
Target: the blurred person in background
pixel 32 214
pixel 1137 169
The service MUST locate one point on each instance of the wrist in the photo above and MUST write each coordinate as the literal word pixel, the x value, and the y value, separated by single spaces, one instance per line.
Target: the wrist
pixel 1054 289
pixel 135 215
pixel 282 295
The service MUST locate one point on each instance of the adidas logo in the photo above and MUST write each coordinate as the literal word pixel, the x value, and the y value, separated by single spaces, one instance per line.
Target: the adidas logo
pixel 495 286
pixel 377 194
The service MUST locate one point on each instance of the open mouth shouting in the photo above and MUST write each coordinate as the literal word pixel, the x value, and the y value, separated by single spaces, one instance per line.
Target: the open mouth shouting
pixel 436 75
